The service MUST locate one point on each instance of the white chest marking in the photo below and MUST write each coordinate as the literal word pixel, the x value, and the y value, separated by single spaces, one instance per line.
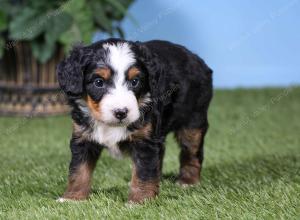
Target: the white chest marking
pixel 101 133
pixel 109 137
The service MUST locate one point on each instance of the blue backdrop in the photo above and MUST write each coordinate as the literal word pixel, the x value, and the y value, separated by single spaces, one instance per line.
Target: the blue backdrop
pixel 248 43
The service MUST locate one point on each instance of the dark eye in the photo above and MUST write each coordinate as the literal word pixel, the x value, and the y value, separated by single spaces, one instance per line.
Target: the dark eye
pixel 134 82
pixel 99 83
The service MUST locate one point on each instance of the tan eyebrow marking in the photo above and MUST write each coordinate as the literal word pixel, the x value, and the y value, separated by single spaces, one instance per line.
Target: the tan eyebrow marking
pixel 105 73
pixel 133 72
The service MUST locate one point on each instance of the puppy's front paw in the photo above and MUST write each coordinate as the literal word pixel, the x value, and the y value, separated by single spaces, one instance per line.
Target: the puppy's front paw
pixel 142 192
pixel 186 184
pixel 139 198
pixel 70 198
pixel 74 196
pixel 189 176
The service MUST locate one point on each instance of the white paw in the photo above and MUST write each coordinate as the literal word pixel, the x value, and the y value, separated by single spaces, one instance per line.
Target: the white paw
pixel 131 204
pixel 184 185
pixel 61 200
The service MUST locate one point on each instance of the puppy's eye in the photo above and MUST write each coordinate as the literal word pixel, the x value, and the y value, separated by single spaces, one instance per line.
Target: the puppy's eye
pixel 134 82
pixel 99 82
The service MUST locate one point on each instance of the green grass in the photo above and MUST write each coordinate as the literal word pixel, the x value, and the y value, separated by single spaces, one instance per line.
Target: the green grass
pixel 251 168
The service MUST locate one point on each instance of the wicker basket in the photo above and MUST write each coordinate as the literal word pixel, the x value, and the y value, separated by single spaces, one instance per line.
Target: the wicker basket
pixel 28 88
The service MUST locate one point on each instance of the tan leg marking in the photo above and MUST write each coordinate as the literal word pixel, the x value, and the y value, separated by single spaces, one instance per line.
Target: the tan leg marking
pixel 141 190
pixel 79 183
pixel 190 166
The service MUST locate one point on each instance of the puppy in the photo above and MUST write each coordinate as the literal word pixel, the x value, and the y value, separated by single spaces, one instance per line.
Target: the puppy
pixel 126 97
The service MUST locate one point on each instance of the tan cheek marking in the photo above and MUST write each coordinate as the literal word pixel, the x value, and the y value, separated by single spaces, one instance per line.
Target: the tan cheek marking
pixel 133 72
pixel 103 72
pixel 94 107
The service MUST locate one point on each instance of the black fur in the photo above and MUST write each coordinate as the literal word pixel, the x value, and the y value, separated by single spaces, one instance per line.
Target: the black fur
pixel 180 84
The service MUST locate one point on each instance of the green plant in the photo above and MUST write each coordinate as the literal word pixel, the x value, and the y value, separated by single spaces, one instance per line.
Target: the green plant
pixel 46 24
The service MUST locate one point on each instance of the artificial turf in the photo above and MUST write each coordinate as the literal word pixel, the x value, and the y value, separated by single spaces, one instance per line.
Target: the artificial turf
pixel 251 168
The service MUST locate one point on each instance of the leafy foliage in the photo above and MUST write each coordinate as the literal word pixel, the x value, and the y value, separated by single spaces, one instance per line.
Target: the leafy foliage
pixel 46 24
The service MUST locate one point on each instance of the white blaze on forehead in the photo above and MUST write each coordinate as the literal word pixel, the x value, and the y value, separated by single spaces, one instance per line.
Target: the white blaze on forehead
pixel 120 57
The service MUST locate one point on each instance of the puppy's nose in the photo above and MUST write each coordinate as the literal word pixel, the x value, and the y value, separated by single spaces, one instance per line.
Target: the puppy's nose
pixel 121 113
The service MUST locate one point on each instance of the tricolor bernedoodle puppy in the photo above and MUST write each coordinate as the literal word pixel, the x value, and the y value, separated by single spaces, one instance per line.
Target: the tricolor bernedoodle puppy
pixel 126 97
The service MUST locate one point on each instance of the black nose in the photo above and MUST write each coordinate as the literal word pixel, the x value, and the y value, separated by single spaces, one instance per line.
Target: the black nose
pixel 121 113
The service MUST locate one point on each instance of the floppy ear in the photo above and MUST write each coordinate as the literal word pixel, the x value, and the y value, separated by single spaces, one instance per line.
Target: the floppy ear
pixel 70 76
pixel 155 69
pixel 157 83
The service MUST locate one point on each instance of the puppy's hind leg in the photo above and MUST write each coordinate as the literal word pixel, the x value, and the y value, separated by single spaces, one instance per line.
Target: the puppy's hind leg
pixel 191 142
